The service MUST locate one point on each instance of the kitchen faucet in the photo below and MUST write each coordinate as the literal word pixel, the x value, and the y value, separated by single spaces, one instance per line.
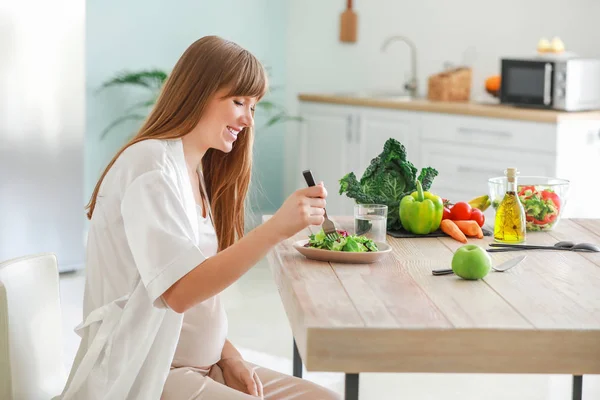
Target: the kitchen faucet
pixel 412 84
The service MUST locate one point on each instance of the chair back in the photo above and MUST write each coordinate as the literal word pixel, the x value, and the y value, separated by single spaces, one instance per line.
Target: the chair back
pixel 31 347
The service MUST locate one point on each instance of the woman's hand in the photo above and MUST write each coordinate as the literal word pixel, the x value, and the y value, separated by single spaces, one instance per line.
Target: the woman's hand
pixel 240 375
pixel 302 208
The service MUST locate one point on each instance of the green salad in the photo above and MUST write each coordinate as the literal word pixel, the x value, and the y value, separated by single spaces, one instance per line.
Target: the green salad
pixel 345 242
pixel 542 207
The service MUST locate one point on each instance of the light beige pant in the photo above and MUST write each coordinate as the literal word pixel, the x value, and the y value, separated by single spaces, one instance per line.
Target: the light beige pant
pixel 192 384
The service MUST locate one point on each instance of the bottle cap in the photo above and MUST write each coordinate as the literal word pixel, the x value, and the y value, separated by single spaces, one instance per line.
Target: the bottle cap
pixel 511 173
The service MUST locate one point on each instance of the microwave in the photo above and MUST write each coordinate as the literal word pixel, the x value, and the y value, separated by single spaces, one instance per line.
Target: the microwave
pixel 568 84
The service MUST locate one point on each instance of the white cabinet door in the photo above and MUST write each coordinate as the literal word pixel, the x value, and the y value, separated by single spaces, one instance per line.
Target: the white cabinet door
pixel 375 127
pixel 578 160
pixel 327 152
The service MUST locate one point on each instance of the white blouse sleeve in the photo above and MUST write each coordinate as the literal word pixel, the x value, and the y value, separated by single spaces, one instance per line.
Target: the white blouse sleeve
pixel 159 233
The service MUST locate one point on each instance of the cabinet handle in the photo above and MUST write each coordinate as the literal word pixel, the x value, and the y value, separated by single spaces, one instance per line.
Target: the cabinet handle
pixel 357 131
pixel 471 131
pixel 465 168
pixel 349 128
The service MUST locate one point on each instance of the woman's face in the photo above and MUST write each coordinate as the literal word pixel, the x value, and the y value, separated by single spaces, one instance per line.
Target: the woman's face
pixel 224 119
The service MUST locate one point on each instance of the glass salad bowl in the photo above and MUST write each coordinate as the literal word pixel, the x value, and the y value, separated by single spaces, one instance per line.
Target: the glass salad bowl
pixel 543 199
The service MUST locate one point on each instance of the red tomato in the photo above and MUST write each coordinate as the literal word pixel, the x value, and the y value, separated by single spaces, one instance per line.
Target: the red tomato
pixel 526 188
pixel 447 214
pixel 461 211
pixel 548 194
pixel 547 219
pixel 477 216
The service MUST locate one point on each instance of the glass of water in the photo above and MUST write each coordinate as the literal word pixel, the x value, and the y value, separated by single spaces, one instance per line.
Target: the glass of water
pixel 370 220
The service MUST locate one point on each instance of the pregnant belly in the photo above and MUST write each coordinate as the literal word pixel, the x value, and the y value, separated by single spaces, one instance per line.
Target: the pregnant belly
pixel 202 336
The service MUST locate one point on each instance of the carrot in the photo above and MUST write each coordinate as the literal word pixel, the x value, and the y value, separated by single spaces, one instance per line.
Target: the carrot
pixel 470 228
pixel 449 228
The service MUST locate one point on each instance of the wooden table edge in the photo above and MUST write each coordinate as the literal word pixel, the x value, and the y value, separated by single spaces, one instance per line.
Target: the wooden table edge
pixel 451 350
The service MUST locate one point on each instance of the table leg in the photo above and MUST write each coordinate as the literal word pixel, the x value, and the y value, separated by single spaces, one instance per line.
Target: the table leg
pixel 351 387
pixel 577 387
pixel 297 362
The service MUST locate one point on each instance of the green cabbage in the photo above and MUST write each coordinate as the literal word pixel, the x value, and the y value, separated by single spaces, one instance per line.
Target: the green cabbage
pixel 388 178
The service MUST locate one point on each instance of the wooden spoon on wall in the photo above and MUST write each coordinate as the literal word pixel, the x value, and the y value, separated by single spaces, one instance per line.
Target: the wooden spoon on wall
pixel 348 24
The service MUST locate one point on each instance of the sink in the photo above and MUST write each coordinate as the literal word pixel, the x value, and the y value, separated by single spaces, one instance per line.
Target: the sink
pixel 378 95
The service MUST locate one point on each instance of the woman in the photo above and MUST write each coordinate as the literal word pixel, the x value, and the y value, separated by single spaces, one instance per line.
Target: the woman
pixel 165 238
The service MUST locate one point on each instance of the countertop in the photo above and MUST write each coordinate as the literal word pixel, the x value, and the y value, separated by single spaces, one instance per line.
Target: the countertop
pixel 460 108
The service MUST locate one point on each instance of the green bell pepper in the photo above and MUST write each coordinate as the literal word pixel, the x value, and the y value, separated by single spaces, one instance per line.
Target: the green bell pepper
pixel 421 212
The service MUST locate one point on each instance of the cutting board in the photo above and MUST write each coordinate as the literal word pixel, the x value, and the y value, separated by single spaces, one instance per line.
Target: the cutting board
pixel 348 24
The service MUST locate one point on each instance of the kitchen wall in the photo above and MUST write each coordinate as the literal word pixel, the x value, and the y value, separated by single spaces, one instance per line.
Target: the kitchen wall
pixel 466 31
pixel 139 34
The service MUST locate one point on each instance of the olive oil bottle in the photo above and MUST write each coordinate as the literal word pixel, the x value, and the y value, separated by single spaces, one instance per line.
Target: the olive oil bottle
pixel 509 226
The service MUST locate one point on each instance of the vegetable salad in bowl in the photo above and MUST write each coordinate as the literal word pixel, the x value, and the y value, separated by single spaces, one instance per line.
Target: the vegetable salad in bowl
pixel 543 199
pixel 345 242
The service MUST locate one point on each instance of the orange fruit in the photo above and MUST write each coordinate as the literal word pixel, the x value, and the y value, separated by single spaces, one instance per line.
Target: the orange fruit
pixel 492 84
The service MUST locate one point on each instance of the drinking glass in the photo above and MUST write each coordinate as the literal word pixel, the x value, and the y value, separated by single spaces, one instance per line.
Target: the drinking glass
pixel 370 220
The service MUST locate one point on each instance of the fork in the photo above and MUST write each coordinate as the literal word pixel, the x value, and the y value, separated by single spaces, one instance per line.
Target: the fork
pixel 328 226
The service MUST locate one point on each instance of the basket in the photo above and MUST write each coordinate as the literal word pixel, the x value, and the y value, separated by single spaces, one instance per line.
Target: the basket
pixel 450 85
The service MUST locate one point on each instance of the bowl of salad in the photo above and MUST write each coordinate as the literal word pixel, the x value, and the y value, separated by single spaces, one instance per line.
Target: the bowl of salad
pixel 543 199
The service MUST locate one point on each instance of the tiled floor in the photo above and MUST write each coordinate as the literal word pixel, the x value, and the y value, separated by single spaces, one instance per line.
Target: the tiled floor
pixel 258 326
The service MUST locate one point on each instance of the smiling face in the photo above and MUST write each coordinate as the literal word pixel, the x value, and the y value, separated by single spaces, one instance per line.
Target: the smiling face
pixel 223 120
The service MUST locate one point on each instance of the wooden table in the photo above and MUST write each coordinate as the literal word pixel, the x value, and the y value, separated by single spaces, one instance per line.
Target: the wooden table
pixel 543 316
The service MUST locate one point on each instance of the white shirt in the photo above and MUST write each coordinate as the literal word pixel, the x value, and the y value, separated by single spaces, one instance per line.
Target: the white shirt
pixel 204 328
pixel 142 238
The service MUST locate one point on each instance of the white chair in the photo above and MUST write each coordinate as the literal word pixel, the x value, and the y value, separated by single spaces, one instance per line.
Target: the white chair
pixel 31 348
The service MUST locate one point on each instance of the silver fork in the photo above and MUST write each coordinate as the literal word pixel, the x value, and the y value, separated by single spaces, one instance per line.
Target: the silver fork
pixel 328 226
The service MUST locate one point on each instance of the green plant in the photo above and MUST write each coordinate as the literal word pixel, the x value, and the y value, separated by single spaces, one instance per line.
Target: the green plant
pixel 152 80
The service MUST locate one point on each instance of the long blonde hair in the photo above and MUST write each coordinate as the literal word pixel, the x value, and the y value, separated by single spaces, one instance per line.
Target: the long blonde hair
pixel 207 66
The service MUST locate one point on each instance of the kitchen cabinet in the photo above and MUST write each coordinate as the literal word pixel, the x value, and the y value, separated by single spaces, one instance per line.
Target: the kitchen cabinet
pixel 328 147
pixel 377 126
pixel 578 159
pixel 467 150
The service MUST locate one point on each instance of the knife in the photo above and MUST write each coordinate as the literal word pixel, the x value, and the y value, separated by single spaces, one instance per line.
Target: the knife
pixel 505 266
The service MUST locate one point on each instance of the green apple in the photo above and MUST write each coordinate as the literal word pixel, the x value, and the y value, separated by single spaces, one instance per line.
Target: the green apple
pixel 471 262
